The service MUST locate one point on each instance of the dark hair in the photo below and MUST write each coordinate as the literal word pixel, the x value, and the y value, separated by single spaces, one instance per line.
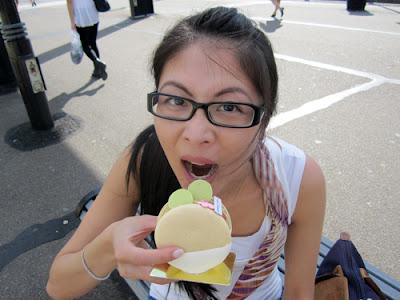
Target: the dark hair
pixel 253 50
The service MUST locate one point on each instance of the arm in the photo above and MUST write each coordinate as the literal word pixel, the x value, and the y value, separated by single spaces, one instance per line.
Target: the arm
pixel 110 236
pixel 304 235
pixel 71 13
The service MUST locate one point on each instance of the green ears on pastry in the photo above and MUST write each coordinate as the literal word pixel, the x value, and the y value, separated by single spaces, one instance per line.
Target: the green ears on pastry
pixel 197 190
pixel 201 190
pixel 180 197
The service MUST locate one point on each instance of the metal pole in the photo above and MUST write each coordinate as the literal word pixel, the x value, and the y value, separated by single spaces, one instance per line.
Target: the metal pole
pixel 26 66
pixel 8 82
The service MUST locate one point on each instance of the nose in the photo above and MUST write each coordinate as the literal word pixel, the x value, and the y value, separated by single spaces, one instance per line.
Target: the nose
pixel 198 130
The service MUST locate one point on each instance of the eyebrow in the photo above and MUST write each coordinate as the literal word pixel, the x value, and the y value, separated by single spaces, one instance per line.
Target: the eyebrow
pixel 177 85
pixel 220 93
pixel 232 90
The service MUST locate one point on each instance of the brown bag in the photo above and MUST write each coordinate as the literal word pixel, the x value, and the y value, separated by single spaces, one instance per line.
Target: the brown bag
pixel 333 287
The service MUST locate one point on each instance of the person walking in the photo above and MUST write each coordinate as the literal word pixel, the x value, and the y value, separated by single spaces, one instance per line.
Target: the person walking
pixel 84 19
pixel 277 4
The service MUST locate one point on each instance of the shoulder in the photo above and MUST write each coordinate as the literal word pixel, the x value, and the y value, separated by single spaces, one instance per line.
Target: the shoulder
pixel 312 193
pixel 313 176
pixel 300 174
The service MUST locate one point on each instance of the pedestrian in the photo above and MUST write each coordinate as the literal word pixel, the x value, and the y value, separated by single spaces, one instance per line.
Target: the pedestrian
pixel 33 2
pixel 215 92
pixel 277 4
pixel 84 19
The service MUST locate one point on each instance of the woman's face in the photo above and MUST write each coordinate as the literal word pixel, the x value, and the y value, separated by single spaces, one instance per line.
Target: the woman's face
pixel 197 149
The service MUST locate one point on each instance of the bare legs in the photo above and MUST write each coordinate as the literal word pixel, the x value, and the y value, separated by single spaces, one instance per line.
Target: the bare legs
pixel 277 4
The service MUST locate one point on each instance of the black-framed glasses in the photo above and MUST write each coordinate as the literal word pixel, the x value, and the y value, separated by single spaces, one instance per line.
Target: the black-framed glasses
pixel 225 114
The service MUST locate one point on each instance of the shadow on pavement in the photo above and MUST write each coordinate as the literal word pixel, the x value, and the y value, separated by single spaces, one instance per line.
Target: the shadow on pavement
pixel 24 138
pixel 39 190
pixel 57 103
pixel 271 25
pixel 363 13
pixel 53 53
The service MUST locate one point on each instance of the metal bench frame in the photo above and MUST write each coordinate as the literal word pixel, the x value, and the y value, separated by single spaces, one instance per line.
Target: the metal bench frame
pixel 389 286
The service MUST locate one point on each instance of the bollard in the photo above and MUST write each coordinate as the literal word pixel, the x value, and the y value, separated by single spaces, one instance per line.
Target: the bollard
pixel 141 8
pixel 26 67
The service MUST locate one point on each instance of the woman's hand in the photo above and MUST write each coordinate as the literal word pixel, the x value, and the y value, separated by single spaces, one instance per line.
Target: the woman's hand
pixel 133 259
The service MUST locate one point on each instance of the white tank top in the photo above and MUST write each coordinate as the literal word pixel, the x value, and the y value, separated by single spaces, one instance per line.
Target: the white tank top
pixel 289 163
pixel 85 13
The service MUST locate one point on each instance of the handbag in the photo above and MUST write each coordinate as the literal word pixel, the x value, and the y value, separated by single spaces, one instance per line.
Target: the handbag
pixel 102 5
pixel 342 275
pixel 76 48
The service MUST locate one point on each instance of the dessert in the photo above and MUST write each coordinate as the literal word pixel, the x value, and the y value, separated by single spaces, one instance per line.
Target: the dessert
pixel 197 222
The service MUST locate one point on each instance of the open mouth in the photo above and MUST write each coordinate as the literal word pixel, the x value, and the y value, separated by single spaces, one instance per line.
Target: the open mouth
pixel 200 171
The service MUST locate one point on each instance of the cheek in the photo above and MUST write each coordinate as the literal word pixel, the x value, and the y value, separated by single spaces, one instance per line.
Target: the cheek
pixel 240 142
pixel 168 136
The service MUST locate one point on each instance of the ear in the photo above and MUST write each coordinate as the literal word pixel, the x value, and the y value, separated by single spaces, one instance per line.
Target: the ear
pixel 201 190
pixel 180 197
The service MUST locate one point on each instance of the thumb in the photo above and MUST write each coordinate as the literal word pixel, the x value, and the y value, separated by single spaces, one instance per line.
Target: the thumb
pixel 151 257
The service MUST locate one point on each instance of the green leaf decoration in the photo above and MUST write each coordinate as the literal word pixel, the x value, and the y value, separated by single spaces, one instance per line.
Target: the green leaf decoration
pixel 201 190
pixel 180 197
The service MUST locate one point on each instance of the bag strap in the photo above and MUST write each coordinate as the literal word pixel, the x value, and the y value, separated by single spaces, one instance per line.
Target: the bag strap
pixel 372 284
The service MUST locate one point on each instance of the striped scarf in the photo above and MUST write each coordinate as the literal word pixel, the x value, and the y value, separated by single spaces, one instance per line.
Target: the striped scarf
pixel 261 265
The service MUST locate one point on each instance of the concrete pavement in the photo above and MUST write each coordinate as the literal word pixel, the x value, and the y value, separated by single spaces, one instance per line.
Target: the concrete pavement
pixel 339 87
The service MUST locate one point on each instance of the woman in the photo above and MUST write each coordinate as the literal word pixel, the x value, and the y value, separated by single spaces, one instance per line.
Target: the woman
pixel 85 20
pixel 216 89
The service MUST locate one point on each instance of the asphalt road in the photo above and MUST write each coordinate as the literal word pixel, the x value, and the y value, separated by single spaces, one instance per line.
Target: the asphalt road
pixel 339 101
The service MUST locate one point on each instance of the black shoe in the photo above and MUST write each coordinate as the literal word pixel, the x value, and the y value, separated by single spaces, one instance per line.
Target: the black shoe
pixel 96 75
pixel 100 70
pixel 281 10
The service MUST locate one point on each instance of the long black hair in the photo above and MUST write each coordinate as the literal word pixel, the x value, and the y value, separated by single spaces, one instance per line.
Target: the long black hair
pixel 154 176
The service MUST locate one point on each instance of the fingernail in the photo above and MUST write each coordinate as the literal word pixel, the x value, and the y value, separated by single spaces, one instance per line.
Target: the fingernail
pixel 177 253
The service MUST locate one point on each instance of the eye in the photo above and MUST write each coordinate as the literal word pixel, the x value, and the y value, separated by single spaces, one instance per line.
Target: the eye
pixel 229 107
pixel 175 101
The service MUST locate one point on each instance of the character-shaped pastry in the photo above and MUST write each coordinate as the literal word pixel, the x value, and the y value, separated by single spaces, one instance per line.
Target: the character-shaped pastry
pixel 199 224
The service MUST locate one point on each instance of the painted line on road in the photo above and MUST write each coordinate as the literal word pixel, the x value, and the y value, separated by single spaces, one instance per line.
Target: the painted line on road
pixel 43 4
pixel 320 104
pixel 330 67
pixel 263 19
pixel 327 101
pixel 292 3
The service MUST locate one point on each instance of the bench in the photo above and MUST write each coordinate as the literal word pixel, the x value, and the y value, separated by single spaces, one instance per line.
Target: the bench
pixel 389 286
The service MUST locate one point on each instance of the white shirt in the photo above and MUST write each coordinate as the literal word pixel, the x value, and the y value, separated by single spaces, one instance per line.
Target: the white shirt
pixel 85 13
pixel 289 162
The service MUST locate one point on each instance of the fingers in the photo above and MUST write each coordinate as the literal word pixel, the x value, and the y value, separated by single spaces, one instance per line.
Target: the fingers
pixel 145 222
pixel 151 257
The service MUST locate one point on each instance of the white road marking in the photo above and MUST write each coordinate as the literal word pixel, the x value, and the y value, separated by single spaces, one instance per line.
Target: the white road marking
pixel 320 104
pixel 292 3
pixel 43 4
pixel 263 19
pixel 336 68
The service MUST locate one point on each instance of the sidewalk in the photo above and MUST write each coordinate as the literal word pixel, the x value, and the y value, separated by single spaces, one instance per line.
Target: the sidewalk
pixel 323 53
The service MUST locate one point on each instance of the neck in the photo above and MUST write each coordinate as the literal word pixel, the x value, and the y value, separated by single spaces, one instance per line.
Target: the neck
pixel 240 182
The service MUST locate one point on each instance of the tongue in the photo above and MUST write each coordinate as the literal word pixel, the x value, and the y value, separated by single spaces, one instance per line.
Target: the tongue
pixel 201 170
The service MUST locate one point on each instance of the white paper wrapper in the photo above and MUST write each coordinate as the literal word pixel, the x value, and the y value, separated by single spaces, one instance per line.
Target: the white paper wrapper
pixel 200 261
